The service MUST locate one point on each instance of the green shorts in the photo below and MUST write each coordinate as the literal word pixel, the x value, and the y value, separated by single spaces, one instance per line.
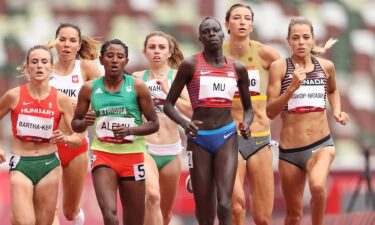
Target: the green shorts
pixel 34 167
pixel 162 160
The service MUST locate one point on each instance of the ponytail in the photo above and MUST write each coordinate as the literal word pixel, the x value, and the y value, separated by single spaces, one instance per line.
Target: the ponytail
pixel 318 51
pixel 89 48
pixel 176 55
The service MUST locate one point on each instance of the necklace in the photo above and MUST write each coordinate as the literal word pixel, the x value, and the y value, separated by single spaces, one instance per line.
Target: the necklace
pixel 239 51
pixel 304 64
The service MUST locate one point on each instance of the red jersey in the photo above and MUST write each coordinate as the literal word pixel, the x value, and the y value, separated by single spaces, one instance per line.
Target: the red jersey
pixel 212 87
pixel 34 120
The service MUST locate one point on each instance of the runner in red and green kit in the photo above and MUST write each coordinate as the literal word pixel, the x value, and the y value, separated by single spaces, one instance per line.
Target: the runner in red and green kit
pixel 36 109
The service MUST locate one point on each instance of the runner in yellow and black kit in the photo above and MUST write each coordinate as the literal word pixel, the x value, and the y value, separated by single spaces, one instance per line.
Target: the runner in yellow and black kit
pixel 119 101
pixel 256 150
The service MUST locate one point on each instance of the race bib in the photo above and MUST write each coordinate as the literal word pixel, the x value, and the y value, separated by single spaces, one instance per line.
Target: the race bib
pixel 68 86
pixel 157 94
pixel 307 97
pixel 254 78
pixel 217 87
pixel 254 83
pixel 139 171
pixel 92 160
pixel 190 158
pixel 14 160
pixel 105 125
pixel 34 128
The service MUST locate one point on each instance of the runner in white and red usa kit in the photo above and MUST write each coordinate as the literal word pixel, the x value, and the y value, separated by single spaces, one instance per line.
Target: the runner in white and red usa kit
pixel 211 80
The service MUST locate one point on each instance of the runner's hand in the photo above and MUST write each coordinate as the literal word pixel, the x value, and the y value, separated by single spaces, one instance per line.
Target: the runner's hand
pixel 245 131
pixel 192 127
pixel 341 117
pixel 90 118
pixel 163 82
pixel 120 131
pixel 299 75
pixel 58 137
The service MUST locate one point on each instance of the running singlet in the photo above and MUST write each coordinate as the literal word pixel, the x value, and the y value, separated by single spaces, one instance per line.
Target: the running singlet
pixel 157 94
pixel 258 76
pixel 35 120
pixel 311 95
pixel 212 87
pixel 69 84
pixel 120 108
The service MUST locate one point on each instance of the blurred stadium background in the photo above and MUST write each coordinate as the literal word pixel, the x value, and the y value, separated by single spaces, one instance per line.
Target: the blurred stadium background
pixel 24 23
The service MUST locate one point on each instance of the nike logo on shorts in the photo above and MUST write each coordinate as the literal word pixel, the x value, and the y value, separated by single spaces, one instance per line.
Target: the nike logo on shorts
pixel 259 142
pixel 47 163
pixel 227 135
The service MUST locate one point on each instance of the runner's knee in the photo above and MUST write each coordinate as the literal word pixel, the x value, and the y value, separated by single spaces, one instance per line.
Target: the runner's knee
pixel 167 216
pixel 24 220
pixel 293 217
pixel 261 219
pixel 110 217
pixel 317 190
pixel 70 213
pixel 224 209
pixel 153 198
pixel 238 206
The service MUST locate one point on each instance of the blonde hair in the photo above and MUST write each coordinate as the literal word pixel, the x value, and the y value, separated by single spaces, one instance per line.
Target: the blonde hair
pixel 89 46
pixel 316 49
pixel 21 68
pixel 176 54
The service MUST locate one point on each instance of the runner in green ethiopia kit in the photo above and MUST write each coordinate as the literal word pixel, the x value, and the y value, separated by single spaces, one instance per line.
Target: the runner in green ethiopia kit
pixel 36 109
pixel 119 101
pixel 112 110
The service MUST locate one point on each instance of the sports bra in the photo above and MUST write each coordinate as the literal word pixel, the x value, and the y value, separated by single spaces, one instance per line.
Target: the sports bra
pixel 34 120
pixel 212 87
pixel 311 95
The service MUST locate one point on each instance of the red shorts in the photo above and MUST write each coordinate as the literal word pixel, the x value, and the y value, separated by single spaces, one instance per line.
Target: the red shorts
pixel 128 167
pixel 67 154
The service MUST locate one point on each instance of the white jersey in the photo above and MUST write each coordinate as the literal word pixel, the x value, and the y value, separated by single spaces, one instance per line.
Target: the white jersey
pixel 69 84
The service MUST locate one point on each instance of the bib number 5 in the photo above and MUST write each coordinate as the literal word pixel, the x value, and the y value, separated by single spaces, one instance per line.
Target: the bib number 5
pixel 139 171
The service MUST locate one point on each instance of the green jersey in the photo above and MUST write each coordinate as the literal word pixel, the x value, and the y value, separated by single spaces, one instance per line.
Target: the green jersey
pixel 112 109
